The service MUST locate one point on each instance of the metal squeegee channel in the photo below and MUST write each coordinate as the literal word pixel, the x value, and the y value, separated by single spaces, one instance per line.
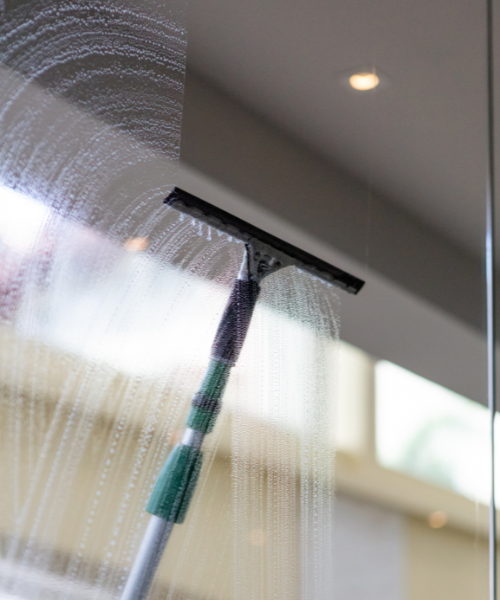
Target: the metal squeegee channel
pixel 238 228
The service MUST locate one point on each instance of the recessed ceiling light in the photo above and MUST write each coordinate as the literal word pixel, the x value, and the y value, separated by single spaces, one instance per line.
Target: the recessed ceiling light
pixel 364 81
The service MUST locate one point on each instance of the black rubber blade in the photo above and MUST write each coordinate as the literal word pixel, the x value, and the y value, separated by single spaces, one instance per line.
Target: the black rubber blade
pixel 224 221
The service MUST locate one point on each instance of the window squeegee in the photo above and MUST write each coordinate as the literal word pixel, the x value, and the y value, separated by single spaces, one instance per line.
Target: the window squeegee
pixel 264 255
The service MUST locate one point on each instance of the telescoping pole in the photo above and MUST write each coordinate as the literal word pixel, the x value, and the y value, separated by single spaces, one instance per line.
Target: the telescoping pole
pixel 177 480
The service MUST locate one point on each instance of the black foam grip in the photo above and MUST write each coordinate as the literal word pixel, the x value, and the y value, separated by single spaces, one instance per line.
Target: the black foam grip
pixel 235 321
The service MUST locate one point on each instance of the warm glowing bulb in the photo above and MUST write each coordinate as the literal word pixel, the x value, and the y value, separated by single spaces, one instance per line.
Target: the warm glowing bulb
pixel 438 519
pixel 364 81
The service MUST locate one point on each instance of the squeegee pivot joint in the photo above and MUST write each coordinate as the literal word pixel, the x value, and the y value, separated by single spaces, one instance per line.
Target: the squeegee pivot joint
pixel 262 260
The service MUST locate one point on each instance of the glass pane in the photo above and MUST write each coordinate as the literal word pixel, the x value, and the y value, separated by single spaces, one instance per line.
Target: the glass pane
pixel 348 469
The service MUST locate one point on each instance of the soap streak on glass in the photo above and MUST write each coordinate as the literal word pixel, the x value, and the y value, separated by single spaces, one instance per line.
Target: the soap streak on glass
pixel 90 111
pixel 103 342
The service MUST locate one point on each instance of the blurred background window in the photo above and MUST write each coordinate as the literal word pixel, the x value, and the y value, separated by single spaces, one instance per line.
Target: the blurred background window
pixel 431 433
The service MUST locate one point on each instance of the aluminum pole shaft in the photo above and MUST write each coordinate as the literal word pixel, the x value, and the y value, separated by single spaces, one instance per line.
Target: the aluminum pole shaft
pixel 177 480
pixel 147 560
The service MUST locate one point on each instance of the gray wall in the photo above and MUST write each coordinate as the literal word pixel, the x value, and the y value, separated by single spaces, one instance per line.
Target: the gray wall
pixel 369 552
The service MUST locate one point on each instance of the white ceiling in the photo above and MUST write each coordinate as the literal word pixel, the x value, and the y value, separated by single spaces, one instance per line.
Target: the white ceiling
pixel 420 138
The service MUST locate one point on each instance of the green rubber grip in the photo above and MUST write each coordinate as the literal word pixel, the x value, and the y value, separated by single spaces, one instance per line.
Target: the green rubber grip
pixel 176 484
pixel 215 380
pixel 201 419
pixel 206 403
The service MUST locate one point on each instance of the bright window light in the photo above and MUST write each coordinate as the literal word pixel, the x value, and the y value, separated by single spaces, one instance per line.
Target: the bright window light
pixel 22 219
pixel 431 433
pixel 117 305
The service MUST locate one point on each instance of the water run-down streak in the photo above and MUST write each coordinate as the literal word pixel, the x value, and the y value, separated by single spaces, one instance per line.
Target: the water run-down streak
pixel 106 316
pixel 90 111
